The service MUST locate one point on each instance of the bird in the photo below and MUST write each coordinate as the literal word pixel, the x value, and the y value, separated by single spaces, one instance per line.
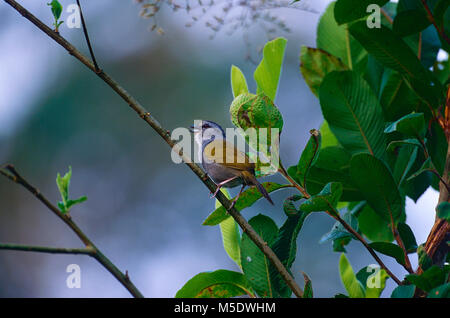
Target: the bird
pixel 226 165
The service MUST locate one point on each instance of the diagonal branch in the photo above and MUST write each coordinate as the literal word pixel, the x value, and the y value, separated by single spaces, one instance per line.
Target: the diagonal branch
pixel 165 134
pixel 14 176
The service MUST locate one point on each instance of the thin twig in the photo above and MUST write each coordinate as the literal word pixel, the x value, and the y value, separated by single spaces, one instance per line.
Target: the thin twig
pixel 165 134
pixel 14 176
pixel 45 249
pixel 91 51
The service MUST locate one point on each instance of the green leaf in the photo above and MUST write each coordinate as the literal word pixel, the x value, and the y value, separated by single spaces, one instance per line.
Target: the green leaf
pixel 285 246
pixel 326 200
pixel 437 147
pixel 404 291
pixel 411 125
pixel 56 8
pixel 247 198
pixel 429 279
pixel 410 21
pixel 396 143
pixel 255 264
pixel 338 234
pixel 308 157
pixel 376 183
pixel 238 82
pixel 63 184
pixel 267 74
pixel 426 166
pixel 404 162
pixel 328 138
pixel 389 249
pixel 442 291
pixel 307 290
pixel 373 226
pixel 349 280
pixel 218 284
pixel 332 165
pixel 231 237
pixel 349 10
pixel 391 51
pixel 443 211
pixel 373 279
pixel 407 236
pixel 425 261
pixel 397 98
pixel 315 64
pixel 353 113
pixel 337 41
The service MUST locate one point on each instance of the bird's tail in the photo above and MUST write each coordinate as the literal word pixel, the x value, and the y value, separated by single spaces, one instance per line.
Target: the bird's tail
pixel 251 179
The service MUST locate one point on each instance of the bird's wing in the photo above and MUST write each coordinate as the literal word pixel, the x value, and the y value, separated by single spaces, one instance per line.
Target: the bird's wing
pixel 226 154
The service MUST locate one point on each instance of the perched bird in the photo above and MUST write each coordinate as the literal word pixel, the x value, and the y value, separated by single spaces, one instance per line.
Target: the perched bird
pixel 226 165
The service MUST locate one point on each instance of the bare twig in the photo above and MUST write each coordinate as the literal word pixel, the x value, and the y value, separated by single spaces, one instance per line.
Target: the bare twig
pixel 45 249
pixel 91 51
pixel 14 176
pixel 165 134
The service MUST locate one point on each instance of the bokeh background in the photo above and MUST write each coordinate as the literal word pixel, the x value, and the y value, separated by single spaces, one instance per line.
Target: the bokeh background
pixel 143 211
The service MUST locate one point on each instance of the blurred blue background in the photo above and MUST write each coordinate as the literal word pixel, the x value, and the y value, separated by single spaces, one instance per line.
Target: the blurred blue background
pixel 143 211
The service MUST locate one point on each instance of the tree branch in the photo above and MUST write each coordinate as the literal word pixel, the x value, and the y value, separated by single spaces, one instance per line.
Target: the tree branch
pixel 14 176
pixel 86 36
pixel 44 249
pixel 165 134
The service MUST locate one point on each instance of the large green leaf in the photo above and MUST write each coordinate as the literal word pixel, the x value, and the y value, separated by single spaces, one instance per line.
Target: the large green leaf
pixel 442 291
pixel 429 279
pixel 391 51
pixel 389 249
pixel 255 264
pixel 267 74
pixel 325 200
pixel 373 226
pixel 332 165
pixel 308 157
pixel 408 22
pixel 353 113
pixel 247 198
pixel 349 280
pixel 407 236
pixel 411 125
pixel 315 64
pixel 231 237
pixel 238 82
pixel 404 161
pixel 336 40
pixel 349 10
pixel 376 183
pixel 285 245
pixel 328 138
pixel 397 98
pixel 404 291
pixel 218 284
pixel 437 147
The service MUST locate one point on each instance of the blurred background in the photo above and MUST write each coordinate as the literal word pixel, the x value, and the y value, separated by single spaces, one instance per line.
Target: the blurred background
pixel 143 211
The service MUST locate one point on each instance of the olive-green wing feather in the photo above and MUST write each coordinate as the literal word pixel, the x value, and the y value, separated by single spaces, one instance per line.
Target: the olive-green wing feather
pixel 225 153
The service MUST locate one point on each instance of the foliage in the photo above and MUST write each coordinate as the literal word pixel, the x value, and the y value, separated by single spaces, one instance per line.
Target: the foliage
pixel 377 92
